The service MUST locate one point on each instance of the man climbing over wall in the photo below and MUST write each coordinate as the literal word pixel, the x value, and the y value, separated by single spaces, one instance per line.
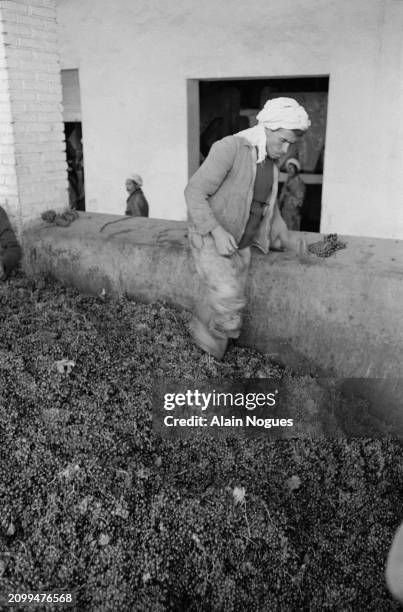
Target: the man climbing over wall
pixel 10 250
pixel 232 206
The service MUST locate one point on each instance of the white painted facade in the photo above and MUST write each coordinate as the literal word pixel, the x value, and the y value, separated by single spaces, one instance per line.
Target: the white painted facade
pixel 134 59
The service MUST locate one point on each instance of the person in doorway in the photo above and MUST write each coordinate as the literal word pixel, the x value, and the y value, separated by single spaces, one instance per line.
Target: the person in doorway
pixel 136 203
pixel 10 250
pixel 231 202
pixel 292 196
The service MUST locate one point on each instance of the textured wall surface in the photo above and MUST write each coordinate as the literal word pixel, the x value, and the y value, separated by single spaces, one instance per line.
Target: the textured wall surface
pixel 134 59
pixel 339 316
pixel 344 310
pixel 33 165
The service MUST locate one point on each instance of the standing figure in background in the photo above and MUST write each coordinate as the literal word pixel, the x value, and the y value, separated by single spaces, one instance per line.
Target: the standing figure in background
pixel 75 170
pixel 10 250
pixel 136 203
pixel 292 196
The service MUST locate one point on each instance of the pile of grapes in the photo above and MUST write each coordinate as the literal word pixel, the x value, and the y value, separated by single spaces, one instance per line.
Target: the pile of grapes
pixel 91 500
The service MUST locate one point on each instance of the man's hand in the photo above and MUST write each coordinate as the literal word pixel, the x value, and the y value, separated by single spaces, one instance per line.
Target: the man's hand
pixel 297 243
pixel 292 241
pixel 224 241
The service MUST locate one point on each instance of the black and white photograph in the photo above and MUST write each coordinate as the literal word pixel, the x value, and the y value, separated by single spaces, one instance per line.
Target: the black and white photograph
pixel 201 297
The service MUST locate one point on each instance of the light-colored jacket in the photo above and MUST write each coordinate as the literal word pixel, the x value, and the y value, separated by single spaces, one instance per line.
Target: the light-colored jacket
pixel 221 192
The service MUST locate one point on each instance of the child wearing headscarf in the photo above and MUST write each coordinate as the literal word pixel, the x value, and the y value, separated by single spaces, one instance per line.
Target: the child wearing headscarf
pixel 136 203
pixel 292 196
pixel 10 250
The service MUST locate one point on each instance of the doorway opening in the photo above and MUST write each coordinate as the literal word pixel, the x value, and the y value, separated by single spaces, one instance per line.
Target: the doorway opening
pixel 217 108
pixel 75 164
pixel 74 138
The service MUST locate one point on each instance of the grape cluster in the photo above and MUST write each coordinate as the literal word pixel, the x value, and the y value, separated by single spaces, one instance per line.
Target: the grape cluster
pixel 326 247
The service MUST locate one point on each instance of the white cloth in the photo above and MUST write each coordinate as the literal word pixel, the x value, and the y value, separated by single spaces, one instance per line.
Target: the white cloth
pixel 293 161
pixel 283 113
pixel 278 113
pixel 136 178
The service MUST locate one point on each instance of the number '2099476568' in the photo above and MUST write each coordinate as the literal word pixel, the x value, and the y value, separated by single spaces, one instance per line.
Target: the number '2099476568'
pixel 62 598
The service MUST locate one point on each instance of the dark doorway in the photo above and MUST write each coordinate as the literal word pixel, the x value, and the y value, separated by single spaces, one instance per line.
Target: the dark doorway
pixel 75 163
pixel 228 106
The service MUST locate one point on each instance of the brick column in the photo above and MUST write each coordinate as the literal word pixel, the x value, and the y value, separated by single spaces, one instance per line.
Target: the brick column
pixel 33 167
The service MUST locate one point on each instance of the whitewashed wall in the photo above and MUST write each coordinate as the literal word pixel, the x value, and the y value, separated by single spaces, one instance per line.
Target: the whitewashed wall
pixel 134 59
pixel 33 168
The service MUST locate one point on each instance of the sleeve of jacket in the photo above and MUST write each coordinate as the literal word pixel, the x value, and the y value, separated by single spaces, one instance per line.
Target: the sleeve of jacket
pixel 205 182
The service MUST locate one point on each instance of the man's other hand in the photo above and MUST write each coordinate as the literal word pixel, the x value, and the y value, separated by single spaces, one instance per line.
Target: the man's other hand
pixel 292 241
pixel 224 241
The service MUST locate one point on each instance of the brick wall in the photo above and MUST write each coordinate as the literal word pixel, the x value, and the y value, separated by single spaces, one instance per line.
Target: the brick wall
pixel 33 168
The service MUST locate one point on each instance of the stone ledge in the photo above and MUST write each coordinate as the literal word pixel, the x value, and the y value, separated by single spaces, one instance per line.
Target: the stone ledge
pixel 339 316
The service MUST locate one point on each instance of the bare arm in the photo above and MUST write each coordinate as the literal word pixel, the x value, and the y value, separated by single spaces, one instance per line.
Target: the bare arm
pixel 297 189
pixel 281 237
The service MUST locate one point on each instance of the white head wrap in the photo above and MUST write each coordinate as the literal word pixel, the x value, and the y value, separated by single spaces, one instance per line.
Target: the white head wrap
pixel 283 113
pixel 136 178
pixel 294 162
pixel 278 113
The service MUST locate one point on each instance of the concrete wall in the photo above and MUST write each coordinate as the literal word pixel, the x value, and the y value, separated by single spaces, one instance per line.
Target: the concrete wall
pixel 346 321
pixel 33 169
pixel 134 59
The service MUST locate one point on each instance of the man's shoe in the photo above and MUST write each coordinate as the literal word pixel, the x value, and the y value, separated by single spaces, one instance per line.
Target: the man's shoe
pixel 215 347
